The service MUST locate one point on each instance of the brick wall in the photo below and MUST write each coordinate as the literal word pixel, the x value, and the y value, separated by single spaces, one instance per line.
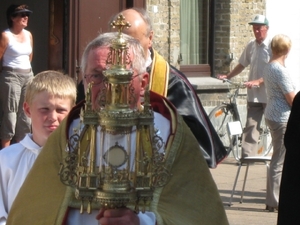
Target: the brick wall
pixel 232 33
pixel 166 26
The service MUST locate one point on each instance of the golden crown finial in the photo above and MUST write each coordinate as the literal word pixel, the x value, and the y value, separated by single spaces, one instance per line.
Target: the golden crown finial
pixel 120 23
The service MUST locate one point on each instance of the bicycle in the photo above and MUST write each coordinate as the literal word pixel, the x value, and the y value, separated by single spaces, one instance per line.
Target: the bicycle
pixel 222 116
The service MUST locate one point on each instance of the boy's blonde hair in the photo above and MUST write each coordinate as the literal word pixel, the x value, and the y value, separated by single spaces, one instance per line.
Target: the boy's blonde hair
pixel 281 44
pixel 53 82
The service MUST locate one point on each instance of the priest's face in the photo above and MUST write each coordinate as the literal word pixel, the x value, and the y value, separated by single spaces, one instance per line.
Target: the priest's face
pixel 96 64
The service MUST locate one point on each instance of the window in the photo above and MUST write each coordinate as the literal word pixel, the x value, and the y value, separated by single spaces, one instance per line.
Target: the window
pixel 194 31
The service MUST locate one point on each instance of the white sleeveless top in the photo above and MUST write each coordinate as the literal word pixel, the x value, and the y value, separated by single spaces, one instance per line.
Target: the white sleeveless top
pixel 17 54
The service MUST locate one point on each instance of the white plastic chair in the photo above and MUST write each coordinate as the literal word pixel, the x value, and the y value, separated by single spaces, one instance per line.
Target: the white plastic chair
pixel 248 161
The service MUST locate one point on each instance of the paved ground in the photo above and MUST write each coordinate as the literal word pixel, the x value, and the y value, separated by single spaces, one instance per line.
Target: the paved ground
pixel 252 210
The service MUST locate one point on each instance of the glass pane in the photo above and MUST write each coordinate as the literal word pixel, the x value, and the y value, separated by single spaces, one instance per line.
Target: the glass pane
pixel 194 29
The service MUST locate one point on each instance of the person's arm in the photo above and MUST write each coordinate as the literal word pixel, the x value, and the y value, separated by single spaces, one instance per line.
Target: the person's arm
pixel 290 97
pixel 31 42
pixel 254 83
pixel 237 70
pixel 3 46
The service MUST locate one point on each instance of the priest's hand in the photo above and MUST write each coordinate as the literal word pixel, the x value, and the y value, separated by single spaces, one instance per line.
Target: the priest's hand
pixel 117 216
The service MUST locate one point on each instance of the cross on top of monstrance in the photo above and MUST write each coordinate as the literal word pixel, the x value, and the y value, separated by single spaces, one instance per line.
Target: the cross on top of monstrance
pixel 120 23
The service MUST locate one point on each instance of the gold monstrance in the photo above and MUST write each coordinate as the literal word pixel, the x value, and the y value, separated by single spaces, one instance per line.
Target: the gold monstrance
pixel 122 164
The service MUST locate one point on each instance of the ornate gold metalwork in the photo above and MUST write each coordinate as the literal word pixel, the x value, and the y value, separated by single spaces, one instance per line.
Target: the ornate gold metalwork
pixel 107 169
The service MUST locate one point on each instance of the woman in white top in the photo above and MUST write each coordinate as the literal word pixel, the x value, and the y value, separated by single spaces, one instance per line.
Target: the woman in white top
pixel 280 95
pixel 15 56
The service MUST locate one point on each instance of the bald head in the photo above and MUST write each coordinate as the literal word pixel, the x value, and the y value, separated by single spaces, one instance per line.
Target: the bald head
pixel 141 27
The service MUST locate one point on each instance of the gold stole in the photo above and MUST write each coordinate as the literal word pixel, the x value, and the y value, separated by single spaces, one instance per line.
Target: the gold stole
pixel 159 76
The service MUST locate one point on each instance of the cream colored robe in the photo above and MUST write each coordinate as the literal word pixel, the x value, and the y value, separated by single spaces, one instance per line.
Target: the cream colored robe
pixel 189 198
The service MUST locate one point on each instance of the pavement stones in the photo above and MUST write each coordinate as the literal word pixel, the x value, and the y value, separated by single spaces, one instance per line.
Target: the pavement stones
pixel 252 210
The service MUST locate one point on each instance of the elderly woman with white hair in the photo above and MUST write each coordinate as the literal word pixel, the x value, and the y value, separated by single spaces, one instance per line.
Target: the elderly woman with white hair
pixel 280 95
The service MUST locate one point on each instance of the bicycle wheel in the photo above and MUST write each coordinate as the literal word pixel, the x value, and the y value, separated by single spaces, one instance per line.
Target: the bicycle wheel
pixel 219 118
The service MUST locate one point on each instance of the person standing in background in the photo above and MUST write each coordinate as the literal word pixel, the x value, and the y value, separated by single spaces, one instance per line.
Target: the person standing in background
pixel 16 46
pixel 171 83
pixel 289 195
pixel 256 54
pixel 280 96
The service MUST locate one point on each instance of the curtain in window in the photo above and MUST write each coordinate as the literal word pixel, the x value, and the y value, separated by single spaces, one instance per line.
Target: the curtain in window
pixel 189 31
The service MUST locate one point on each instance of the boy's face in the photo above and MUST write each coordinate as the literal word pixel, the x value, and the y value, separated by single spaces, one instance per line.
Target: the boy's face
pixel 46 113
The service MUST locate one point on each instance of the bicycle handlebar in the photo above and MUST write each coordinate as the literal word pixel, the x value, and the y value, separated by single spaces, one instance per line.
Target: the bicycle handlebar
pixel 238 84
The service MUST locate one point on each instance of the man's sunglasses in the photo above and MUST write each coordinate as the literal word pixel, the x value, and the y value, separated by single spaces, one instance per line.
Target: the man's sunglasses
pixel 22 15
